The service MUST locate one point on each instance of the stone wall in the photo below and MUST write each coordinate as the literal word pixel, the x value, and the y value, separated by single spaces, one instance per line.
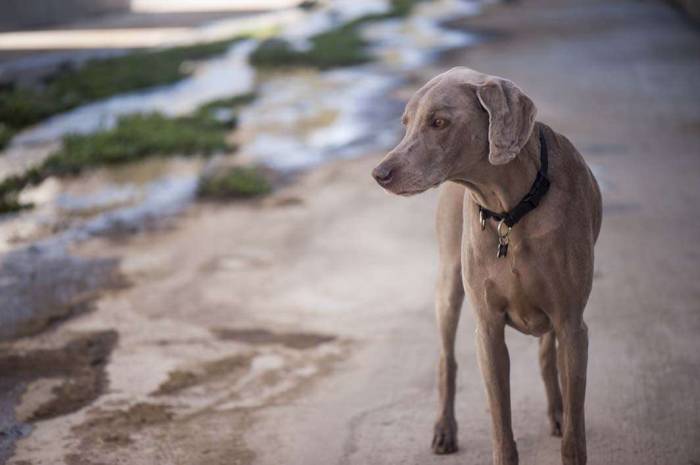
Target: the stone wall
pixel 20 14
pixel 690 7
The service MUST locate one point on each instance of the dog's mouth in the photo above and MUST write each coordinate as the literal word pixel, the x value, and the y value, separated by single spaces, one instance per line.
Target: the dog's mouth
pixel 412 192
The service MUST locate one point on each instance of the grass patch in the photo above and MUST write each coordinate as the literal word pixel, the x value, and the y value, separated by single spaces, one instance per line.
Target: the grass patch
pixel 5 135
pixel 97 79
pixel 337 47
pixel 136 137
pixel 224 110
pixel 133 138
pixel 238 182
pixel 340 47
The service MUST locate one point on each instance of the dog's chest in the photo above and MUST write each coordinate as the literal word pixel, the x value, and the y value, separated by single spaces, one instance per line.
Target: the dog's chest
pixel 511 285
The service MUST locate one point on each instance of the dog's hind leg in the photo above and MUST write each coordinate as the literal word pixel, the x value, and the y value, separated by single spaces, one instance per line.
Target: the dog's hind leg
pixel 548 368
pixel 448 304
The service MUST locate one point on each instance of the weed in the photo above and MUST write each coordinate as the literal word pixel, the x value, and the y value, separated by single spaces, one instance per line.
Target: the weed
pixel 235 182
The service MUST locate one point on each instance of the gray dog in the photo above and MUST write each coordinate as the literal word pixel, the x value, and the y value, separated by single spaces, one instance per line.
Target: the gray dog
pixel 517 223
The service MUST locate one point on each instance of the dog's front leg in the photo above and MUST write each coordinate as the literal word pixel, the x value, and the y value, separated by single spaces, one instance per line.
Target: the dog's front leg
pixel 573 361
pixel 548 367
pixel 448 304
pixel 495 369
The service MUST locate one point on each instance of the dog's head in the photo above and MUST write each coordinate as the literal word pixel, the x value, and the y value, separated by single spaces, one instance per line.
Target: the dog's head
pixel 457 124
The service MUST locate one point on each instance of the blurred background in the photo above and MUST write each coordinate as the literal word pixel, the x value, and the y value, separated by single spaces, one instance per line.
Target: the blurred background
pixel 196 267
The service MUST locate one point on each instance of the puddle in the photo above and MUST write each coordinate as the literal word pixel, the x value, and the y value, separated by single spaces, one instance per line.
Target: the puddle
pixel 114 428
pixel 47 383
pixel 241 260
pixel 80 364
pixel 179 380
pixel 154 389
pixel 405 45
pixel 305 118
pixel 136 417
pixel 299 341
pixel 106 201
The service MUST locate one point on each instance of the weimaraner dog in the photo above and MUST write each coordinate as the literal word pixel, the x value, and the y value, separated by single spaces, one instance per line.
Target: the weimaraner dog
pixel 517 220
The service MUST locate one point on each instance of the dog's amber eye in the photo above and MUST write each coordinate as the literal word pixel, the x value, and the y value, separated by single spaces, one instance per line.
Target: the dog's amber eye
pixel 438 123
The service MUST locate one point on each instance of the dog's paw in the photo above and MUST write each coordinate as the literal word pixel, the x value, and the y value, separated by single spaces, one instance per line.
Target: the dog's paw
pixel 573 452
pixel 555 421
pixel 445 437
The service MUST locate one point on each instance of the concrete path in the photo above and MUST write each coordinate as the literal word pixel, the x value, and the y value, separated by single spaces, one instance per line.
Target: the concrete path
pixel 620 79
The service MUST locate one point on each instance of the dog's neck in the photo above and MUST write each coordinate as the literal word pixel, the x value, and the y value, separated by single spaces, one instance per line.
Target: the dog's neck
pixel 501 188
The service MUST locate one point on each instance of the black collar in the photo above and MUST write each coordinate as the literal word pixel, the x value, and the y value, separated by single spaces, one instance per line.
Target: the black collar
pixel 526 205
pixel 532 198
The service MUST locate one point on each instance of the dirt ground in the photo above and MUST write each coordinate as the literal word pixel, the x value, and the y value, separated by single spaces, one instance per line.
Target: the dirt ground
pixel 300 329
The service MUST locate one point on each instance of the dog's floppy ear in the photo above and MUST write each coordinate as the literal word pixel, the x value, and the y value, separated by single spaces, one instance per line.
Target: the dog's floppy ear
pixel 511 118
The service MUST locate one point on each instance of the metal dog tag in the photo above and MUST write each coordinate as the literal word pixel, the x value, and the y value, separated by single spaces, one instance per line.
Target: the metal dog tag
pixel 502 250
pixel 503 240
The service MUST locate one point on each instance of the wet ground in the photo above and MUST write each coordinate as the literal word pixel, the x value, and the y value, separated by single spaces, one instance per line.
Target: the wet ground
pixel 299 328
pixel 299 119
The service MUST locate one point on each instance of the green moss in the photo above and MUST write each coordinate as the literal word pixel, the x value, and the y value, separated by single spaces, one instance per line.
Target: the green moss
pixel 308 5
pixel 11 187
pixel 5 135
pixel 230 102
pixel 235 182
pixel 225 110
pixel 133 138
pixel 100 78
pixel 403 7
pixel 337 47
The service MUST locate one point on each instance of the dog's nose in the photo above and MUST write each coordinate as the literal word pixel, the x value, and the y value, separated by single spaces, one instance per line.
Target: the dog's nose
pixel 382 174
